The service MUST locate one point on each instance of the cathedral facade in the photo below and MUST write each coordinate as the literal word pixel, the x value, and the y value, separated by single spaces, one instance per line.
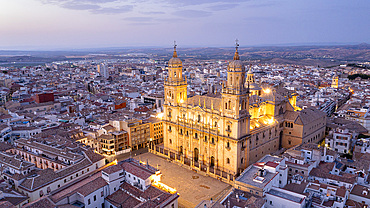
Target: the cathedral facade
pixel 221 134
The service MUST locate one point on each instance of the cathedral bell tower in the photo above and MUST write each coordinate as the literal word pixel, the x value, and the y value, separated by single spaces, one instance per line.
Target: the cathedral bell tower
pixel 175 85
pixel 235 96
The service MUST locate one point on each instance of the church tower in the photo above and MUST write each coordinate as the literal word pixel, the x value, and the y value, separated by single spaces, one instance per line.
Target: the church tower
pixel 175 85
pixel 250 76
pixel 334 82
pixel 235 98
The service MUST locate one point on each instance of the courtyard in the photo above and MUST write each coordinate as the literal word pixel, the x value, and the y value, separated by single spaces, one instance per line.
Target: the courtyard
pixel 192 187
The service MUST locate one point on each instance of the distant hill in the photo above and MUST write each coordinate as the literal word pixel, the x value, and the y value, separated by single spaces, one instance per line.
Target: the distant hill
pixel 303 55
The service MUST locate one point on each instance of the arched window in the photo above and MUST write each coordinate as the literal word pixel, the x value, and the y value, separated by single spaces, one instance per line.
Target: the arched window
pixel 225 105
pixel 198 118
pixel 228 160
pixel 228 144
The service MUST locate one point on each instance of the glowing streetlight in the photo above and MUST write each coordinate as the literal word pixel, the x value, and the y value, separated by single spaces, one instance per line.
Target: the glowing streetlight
pixel 181 101
pixel 160 115
pixel 270 121
pixel 267 90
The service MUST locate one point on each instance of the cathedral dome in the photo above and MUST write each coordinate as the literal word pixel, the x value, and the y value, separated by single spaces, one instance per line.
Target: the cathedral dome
pixel 175 61
pixel 236 64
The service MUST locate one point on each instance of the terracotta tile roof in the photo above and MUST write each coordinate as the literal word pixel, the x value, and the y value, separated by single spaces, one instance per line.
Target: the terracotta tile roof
pixel 6 204
pixel 271 164
pixel 323 171
pixel 360 191
pixel 41 178
pixel 113 169
pixel 92 186
pixel 70 190
pixel 137 170
pixel 93 157
pixel 43 202
pixel 297 188
pixel 5 146
pixel 341 192
pixel 121 198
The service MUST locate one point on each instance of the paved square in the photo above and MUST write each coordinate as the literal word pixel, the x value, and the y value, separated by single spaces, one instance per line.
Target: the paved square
pixel 193 187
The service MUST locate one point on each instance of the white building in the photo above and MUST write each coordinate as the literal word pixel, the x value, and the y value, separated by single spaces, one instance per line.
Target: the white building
pixel 278 197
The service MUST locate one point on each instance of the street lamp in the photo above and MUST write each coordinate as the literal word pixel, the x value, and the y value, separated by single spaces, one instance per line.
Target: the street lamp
pixel 160 115
pixel 267 90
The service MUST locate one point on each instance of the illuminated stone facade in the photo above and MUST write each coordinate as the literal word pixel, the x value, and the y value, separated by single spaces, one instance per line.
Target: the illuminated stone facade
pixel 223 133
pixel 335 82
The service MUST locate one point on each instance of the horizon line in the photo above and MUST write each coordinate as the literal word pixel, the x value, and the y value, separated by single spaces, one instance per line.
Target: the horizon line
pixel 56 49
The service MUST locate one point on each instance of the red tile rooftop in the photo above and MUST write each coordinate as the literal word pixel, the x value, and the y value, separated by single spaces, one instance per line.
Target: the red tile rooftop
pixel 271 164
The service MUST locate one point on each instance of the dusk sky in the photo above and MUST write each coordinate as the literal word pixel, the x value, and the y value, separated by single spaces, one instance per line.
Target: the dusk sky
pixel 78 24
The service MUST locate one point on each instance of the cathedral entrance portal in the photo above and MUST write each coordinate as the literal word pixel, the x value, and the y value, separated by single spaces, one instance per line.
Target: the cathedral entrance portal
pixel 196 155
pixel 212 161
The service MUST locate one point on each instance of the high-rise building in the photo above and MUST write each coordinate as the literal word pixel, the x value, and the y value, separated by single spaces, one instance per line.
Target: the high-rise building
pixel 104 70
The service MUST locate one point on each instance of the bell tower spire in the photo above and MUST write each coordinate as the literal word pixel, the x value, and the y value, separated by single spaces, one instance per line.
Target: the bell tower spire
pixel 175 84
pixel 174 50
pixel 235 94
pixel 236 55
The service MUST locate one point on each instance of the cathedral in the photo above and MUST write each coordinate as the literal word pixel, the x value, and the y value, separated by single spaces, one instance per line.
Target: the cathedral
pixel 222 133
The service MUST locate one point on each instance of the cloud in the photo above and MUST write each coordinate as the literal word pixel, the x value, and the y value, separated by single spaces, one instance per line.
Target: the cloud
pixel 265 4
pixel 200 2
pixel 113 10
pixel 139 19
pixel 192 13
pixel 79 1
pixel 93 6
pixel 221 7
pixel 77 6
pixel 153 12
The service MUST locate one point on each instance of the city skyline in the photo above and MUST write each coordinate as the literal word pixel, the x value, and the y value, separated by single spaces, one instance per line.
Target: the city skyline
pixel 72 24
